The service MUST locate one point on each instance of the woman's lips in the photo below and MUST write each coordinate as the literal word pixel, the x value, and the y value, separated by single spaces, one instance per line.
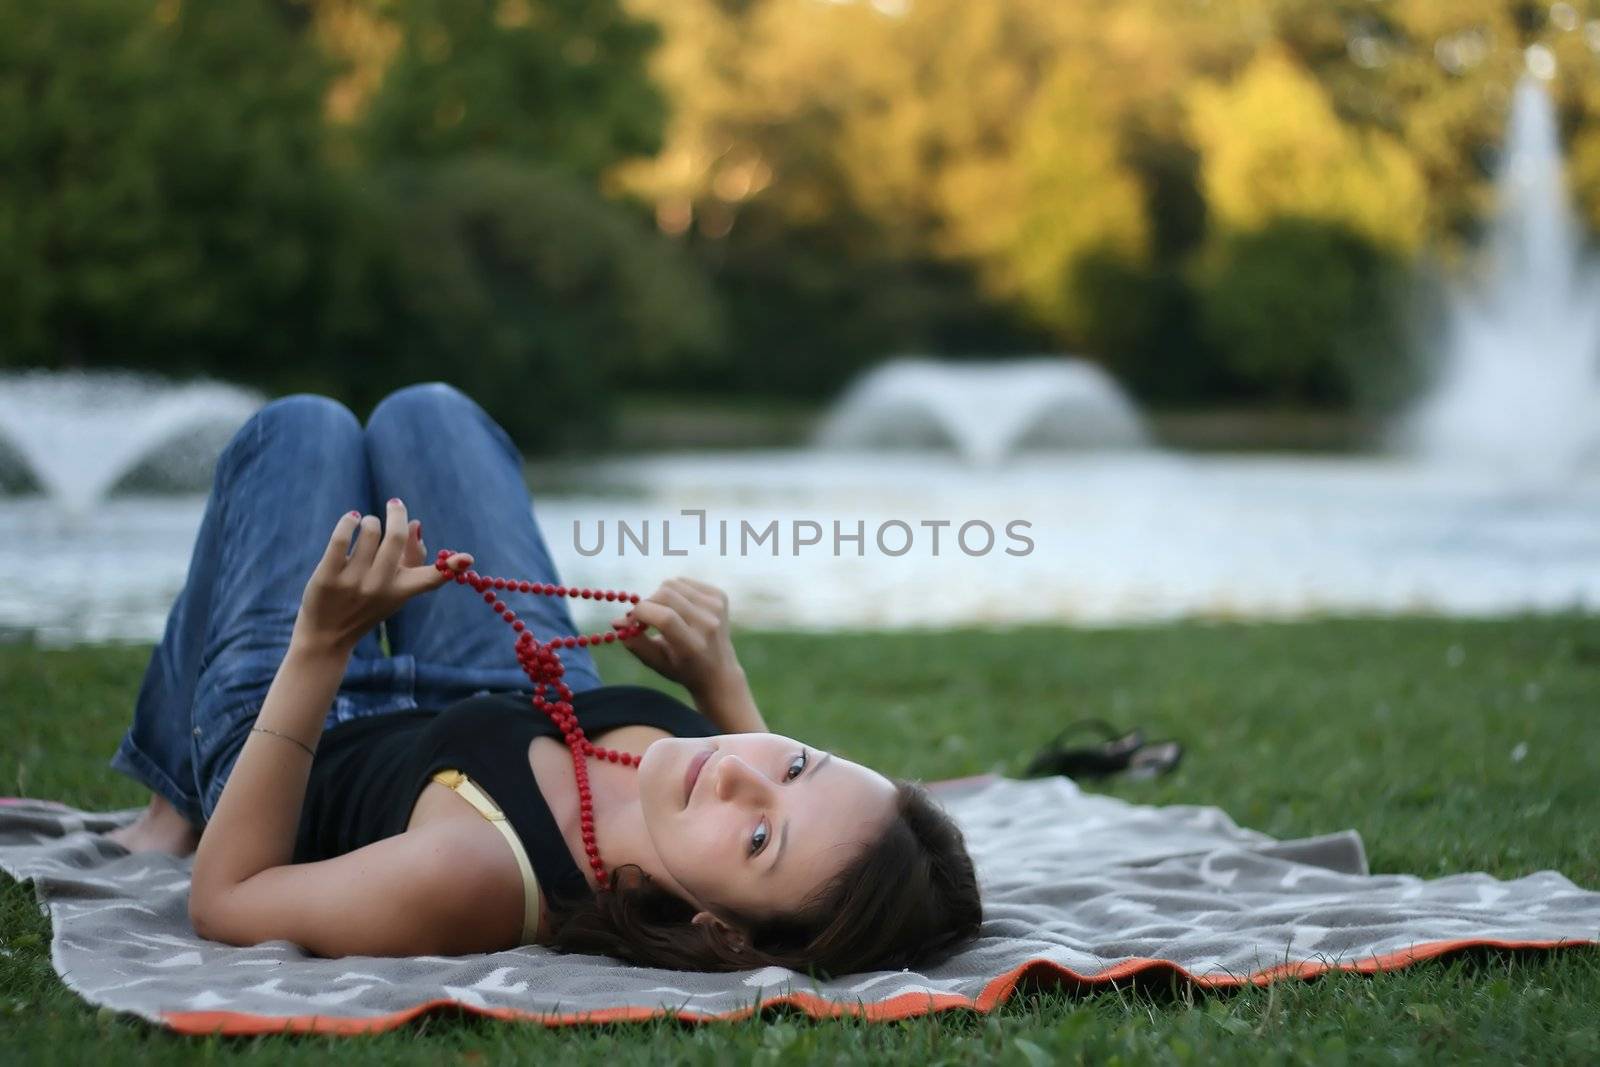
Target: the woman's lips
pixel 692 775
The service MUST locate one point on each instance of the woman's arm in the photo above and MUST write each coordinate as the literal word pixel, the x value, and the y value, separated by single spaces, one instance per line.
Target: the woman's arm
pixel 449 888
pixel 254 826
pixel 730 705
pixel 258 815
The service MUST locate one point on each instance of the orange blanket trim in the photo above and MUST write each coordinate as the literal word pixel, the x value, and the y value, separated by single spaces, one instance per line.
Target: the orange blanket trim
pixel 904 1006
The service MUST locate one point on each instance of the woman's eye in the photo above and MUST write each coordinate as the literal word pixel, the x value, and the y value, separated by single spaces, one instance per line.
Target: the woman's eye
pixel 797 767
pixel 758 840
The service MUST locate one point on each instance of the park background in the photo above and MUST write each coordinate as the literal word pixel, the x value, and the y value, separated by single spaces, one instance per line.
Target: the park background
pixel 1246 308
pixel 661 241
pixel 561 206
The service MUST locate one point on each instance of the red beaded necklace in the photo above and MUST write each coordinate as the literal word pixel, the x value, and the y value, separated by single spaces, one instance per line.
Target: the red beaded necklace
pixel 544 668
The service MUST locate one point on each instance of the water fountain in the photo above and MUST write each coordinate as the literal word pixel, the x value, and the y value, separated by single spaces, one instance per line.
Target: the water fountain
pixel 78 434
pixel 985 411
pixel 1519 373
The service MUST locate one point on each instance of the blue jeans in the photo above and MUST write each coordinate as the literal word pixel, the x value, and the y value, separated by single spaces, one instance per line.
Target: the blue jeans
pixel 280 486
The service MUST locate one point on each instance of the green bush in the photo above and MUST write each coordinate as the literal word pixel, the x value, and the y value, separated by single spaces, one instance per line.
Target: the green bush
pixel 528 291
pixel 557 82
pixel 808 307
pixel 1304 311
pixel 175 201
pixel 165 202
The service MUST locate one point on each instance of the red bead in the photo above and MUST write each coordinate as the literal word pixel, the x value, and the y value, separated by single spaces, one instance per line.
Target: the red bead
pixel 561 590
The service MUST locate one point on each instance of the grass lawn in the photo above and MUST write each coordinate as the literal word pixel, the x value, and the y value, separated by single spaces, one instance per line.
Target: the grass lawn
pixel 1402 729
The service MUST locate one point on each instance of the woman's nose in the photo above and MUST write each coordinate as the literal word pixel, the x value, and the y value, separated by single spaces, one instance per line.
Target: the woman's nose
pixel 737 780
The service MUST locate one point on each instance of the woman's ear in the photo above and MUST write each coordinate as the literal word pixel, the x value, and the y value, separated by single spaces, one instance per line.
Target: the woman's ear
pixel 725 932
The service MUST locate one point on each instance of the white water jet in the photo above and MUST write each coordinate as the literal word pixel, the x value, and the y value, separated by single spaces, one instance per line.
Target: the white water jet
pixel 1519 384
pixel 985 411
pixel 78 433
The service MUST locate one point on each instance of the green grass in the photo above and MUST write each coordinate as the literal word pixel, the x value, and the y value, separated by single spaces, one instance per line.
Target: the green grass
pixel 1402 729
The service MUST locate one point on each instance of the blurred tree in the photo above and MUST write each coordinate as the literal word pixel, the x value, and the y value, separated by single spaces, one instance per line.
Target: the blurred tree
pixel 1310 220
pixel 1272 147
pixel 558 82
pixel 1058 198
pixel 1305 310
pixel 176 199
pixel 796 168
pixel 1438 77
pixel 529 292
pixel 999 143
pixel 224 187
pixel 165 201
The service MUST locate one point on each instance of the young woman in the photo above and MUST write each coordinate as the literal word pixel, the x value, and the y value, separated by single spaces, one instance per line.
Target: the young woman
pixel 417 803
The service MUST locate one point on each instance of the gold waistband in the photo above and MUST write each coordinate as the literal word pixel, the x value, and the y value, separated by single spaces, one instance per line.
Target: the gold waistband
pixel 474 795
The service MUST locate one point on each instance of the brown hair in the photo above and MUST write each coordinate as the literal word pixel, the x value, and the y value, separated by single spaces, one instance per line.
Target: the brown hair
pixel 910 898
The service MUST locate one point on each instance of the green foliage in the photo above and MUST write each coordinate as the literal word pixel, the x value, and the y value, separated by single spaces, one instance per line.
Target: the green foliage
pixel 1062 199
pixel 178 201
pixel 807 310
pixel 1301 309
pixel 560 83
pixel 529 292
pixel 218 187
pixel 164 200
pixel 1273 148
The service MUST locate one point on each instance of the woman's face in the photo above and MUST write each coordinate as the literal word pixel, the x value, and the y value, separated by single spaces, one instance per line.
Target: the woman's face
pixel 753 824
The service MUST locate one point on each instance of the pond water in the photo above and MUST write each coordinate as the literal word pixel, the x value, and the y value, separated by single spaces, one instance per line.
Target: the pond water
pixel 1083 540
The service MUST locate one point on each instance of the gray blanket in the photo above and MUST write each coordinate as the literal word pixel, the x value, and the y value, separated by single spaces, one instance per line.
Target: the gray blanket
pixel 1077 887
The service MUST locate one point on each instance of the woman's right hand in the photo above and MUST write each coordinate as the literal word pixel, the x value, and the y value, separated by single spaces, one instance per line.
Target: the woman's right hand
pixel 353 589
pixel 693 646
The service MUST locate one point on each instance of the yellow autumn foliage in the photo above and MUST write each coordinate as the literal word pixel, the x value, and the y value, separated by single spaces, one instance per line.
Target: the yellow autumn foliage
pixel 1272 146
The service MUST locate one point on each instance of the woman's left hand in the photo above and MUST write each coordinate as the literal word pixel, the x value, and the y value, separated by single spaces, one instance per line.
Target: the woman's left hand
pixel 352 591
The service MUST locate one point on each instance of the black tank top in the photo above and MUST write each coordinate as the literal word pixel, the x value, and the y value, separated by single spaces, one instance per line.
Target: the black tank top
pixel 368 772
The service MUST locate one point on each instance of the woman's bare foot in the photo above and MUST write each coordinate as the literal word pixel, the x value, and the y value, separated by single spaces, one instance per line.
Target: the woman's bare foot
pixel 160 827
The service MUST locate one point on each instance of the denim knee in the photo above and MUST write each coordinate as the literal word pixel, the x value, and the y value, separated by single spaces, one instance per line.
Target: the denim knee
pixel 308 417
pixel 313 409
pixel 421 400
pixel 431 404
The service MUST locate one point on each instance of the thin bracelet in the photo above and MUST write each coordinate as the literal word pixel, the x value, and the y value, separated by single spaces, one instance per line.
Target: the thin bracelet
pixel 286 737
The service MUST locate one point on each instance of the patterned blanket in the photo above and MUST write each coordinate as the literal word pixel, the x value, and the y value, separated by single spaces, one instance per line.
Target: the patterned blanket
pixel 1078 888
